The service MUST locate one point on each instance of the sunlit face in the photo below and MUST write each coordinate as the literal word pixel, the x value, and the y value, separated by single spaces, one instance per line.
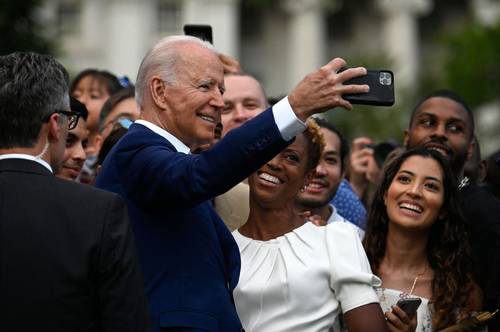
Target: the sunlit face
pixel 278 181
pixel 243 100
pixel 327 176
pixel 90 92
pixel 415 196
pixel 444 125
pixel 194 101
pixel 74 154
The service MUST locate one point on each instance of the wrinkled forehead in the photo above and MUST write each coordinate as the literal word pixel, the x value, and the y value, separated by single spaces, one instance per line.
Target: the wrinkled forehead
pixel 194 57
pixel 243 86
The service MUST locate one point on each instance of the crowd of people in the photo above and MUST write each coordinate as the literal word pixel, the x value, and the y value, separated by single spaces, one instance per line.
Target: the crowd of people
pixel 187 202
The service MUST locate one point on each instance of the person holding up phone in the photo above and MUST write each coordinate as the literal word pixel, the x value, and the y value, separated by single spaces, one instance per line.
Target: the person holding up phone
pixel 416 243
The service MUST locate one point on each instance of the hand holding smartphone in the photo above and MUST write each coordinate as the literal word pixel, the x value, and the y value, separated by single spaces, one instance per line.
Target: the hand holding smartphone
pixel 409 305
pixel 381 83
pixel 403 316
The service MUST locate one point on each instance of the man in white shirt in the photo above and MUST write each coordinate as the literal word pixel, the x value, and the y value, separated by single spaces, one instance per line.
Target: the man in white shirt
pixel 316 196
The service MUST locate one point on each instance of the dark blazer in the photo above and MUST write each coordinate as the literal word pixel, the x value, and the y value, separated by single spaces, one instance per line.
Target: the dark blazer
pixel 482 213
pixel 67 257
pixel 189 258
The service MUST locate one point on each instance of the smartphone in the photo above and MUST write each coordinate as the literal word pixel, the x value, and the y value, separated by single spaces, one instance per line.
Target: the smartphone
pixel 409 305
pixel 204 32
pixel 381 83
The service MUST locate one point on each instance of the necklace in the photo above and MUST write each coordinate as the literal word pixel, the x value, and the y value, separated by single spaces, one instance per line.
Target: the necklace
pixel 463 183
pixel 405 295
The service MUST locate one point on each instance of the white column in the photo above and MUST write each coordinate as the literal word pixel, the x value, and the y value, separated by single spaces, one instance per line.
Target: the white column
pixel 92 23
pixel 306 39
pixel 222 15
pixel 486 12
pixel 128 35
pixel 401 37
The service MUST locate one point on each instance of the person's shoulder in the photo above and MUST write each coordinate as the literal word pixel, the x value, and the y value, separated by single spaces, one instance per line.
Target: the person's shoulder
pixel 474 190
pixel 87 193
pixel 478 200
pixel 345 228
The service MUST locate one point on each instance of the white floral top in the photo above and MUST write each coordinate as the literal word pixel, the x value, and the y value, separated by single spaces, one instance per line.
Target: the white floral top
pixel 389 297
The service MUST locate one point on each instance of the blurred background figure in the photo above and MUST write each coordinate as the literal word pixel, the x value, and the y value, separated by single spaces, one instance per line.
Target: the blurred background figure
pixel 475 167
pixel 93 87
pixel 117 131
pixel 244 99
pixel 120 105
pixel 492 179
pixel 76 143
pixel 365 164
pixel 363 172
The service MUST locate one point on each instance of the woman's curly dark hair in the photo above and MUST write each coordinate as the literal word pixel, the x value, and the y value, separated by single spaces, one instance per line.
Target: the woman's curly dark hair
pixel 447 247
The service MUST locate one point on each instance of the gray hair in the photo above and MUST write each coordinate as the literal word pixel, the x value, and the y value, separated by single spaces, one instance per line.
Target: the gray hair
pixel 32 87
pixel 162 60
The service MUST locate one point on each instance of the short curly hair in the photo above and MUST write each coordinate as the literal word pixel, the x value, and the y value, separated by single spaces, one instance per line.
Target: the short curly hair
pixel 315 143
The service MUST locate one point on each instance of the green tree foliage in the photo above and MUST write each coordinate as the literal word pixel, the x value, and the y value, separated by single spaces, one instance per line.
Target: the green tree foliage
pixel 472 63
pixel 19 28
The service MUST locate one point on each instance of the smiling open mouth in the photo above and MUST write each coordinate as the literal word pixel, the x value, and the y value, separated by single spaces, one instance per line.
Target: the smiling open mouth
pixel 269 178
pixel 441 149
pixel 412 207
pixel 207 118
pixel 315 187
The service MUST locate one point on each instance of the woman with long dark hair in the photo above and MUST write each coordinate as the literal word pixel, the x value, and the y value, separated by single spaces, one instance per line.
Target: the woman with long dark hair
pixel 416 240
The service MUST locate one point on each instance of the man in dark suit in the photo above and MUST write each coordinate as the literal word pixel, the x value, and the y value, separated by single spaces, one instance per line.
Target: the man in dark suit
pixel 189 259
pixel 67 257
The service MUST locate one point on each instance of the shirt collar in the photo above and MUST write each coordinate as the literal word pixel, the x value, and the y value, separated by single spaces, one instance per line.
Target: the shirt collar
pixel 26 157
pixel 178 145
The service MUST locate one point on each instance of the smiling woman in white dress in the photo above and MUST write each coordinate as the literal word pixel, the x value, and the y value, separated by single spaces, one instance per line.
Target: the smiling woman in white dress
pixel 296 276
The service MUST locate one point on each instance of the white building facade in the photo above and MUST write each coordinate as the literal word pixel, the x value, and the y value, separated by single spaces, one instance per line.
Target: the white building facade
pixel 278 41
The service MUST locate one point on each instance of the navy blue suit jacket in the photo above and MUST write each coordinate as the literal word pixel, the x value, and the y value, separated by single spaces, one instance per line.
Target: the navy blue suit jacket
pixel 189 258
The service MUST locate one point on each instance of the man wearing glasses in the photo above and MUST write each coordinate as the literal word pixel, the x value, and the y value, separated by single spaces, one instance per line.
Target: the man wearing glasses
pixel 76 142
pixel 67 257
